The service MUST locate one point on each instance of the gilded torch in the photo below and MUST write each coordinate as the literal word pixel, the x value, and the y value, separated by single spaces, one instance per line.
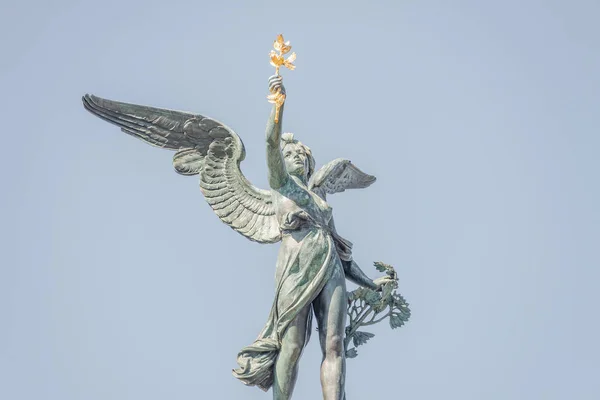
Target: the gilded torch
pixel 278 60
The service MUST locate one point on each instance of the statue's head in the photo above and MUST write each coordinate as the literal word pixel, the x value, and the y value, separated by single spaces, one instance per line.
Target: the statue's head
pixel 297 157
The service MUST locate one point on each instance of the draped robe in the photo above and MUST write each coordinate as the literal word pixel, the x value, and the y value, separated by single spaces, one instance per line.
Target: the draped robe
pixel 310 254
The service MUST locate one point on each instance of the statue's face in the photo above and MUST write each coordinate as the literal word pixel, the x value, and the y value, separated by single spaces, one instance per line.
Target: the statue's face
pixel 295 158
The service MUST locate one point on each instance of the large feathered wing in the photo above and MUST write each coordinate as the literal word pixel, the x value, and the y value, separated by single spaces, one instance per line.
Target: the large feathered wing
pixel 337 176
pixel 205 147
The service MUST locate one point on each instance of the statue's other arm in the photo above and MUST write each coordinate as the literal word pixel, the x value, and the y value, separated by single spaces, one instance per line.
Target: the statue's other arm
pixel 356 275
pixel 278 176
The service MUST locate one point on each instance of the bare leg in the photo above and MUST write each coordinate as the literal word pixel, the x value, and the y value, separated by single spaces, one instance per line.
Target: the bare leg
pixel 286 366
pixel 330 310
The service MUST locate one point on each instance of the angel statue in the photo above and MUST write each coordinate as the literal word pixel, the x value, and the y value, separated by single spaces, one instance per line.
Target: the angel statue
pixel 314 261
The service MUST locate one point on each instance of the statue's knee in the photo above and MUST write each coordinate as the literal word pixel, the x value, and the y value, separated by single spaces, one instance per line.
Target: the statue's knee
pixel 334 346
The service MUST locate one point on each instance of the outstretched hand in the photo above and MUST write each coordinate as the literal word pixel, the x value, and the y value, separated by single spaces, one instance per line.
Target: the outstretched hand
pixel 276 84
pixel 381 282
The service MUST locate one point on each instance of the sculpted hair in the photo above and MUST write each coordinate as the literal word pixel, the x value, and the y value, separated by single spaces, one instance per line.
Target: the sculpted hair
pixel 288 138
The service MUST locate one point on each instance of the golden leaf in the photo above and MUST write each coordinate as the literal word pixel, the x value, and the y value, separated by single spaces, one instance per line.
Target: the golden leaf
pixel 276 59
pixel 289 62
pixel 285 48
pixel 289 65
pixel 278 43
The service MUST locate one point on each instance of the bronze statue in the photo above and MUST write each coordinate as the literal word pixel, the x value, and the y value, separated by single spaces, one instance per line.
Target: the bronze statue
pixel 314 260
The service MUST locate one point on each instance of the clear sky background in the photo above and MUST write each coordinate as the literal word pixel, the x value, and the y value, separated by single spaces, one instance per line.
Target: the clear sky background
pixel 480 120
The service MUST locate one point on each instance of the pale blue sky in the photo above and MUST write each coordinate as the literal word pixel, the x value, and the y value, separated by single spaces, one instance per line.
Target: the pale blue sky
pixel 480 120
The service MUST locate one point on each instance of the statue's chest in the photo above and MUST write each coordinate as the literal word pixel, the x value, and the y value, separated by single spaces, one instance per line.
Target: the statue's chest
pixel 297 198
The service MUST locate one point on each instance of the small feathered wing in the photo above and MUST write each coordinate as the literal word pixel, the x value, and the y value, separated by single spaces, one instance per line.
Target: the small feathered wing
pixel 337 176
pixel 205 147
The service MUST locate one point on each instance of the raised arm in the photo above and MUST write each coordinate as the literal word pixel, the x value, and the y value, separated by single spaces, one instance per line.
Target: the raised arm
pixel 278 175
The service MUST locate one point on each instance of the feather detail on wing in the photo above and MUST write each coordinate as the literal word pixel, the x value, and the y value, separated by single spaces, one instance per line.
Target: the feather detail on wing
pixel 205 147
pixel 337 176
